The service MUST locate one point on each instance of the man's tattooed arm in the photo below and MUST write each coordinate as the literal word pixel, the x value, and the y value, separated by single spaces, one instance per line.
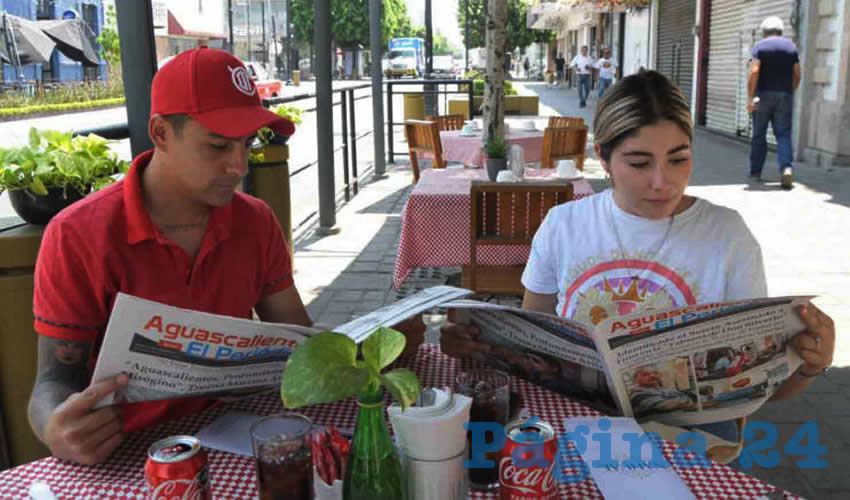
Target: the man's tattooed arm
pixel 62 371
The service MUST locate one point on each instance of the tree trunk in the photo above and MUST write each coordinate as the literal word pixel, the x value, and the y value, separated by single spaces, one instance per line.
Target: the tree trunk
pixel 494 81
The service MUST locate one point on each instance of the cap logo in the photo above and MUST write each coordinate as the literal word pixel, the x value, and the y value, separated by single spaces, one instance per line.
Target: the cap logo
pixel 242 80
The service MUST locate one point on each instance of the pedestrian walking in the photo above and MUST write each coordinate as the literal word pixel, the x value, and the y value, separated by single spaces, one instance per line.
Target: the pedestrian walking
pixel 560 62
pixel 583 64
pixel 774 75
pixel 607 67
pixel 526 66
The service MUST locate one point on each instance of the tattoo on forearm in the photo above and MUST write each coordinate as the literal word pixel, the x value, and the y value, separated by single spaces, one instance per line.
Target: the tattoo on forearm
pixel 62 371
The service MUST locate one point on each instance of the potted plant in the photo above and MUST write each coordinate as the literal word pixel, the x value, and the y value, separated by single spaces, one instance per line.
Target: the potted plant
pixel 266 136
pixel 325 368
pixel 54 170
pixel 497 156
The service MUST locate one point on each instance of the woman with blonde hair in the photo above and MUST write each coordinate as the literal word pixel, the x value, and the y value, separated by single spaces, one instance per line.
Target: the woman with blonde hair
pixel 643 243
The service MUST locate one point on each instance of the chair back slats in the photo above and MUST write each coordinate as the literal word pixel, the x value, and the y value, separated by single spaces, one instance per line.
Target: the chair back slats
pixel 423 137
pixel 506 214
pixel 447 122
pixel 564 143
pixel 565 121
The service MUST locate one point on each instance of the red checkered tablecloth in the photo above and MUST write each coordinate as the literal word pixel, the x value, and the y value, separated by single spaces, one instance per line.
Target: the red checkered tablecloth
pixel 232 476
pixel 435 222
pixel 467 149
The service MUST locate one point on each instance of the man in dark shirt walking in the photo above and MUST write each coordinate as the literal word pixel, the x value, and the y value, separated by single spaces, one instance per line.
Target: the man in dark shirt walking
pixel 774 75
pixel 559 67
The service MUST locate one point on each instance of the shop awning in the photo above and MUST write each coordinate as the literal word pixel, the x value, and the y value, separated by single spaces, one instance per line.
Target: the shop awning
pixel 32 45
pixel 72 39
pixel 175 28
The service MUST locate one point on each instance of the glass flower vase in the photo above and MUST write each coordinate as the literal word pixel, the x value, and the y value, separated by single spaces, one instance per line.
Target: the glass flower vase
pixel 373 471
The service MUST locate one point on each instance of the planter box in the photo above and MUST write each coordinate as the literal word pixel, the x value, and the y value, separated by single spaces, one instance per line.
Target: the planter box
pixel 514 105
pixel 414 106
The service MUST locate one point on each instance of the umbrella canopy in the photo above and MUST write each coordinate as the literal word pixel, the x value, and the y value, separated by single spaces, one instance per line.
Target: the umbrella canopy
pixel 32 45
pixel 71 37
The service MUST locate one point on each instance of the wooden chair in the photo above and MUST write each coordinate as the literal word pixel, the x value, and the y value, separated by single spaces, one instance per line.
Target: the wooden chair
pixel 423 137
pixel 564 143
pixel 506 214
pixel 565 121
pixel 447 122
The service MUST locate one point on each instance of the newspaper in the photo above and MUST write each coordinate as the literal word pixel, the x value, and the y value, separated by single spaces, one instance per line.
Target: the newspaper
pixel 169 352
pixel 683 366
pixel 688 365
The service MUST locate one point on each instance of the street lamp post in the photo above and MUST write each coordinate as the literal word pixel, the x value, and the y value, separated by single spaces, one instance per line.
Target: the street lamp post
pixel 466 32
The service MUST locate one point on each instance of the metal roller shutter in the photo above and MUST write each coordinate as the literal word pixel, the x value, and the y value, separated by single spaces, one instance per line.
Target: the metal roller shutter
pixel 675 54
pixel 734 31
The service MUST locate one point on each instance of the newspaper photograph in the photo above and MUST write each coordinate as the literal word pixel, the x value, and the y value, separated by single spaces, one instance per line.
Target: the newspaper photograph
pixel 554 352
pixel 169 352
pixel 704 364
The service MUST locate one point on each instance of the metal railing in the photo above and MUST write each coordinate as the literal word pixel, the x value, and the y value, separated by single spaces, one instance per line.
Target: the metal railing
pixel 468 91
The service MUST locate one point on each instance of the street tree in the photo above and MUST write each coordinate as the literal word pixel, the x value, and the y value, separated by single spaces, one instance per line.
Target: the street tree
pixel 493 108
pixel 518 34
pixel 350 21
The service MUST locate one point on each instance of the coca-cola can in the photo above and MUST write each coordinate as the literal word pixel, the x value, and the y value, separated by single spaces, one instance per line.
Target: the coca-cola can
pixel 177 468
pixel 518 483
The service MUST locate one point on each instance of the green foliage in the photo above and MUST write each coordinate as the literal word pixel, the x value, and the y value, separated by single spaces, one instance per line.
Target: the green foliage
pixel 50 108
pixel 265 134
pixel 519 35
pixel 496 148
pixel 478 88
pixel 110 45
pixel 350 21
pixel 55 159
pixel 324 368
pixel 63 94
pixel 441 45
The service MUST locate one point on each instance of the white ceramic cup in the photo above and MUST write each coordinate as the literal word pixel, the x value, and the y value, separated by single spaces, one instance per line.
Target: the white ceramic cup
pixel 567 169
pixel 505 176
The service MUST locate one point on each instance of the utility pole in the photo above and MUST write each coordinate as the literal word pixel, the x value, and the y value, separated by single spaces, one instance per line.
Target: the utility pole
pixel 431 107
pixel 248 10
pixel 324 116
pixel 230 25
pixel 377 86
pixel 263 15
pixel 466 32
pixel 274 44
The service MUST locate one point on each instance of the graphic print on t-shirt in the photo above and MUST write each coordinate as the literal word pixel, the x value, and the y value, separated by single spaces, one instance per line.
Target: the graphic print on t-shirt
pixel 626 286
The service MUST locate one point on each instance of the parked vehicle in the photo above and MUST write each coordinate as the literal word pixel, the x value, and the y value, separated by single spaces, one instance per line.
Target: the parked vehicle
pixel 266 85
pixel 444 67
pixel 407 58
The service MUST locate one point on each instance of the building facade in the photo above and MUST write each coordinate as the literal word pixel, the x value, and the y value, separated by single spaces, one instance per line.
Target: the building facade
pixel 60 68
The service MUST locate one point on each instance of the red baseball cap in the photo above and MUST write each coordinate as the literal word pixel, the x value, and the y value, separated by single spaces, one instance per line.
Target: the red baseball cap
pixel 214 88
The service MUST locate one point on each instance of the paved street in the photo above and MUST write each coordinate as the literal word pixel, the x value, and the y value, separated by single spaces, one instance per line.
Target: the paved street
pixel 802 234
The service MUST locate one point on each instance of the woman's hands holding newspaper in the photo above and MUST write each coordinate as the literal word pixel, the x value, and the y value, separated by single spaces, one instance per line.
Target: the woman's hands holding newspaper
pixel 81 434
pixel 816 345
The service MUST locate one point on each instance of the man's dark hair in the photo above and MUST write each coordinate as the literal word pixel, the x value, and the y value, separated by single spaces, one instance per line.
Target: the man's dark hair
pixel 177 122
pixel 767 33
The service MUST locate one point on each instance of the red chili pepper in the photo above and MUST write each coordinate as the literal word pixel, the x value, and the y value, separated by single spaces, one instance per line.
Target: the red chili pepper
pixel 333 470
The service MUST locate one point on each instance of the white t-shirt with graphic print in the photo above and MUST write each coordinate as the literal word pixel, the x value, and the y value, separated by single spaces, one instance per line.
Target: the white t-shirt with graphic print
pixel 603 262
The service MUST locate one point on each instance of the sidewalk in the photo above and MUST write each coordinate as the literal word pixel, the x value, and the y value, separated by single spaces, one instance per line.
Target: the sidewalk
pixel 804 239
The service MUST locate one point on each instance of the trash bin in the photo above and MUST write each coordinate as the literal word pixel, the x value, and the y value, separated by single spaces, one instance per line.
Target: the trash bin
pixel 296 77
pixel 414 106
pixel 18 342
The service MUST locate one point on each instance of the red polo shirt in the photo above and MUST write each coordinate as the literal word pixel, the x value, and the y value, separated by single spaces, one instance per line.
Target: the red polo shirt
pixel 107 244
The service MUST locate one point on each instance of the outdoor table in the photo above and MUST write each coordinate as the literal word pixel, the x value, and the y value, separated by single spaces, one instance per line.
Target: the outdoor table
pixel 467 149
pixel 233 476
pixel 435 222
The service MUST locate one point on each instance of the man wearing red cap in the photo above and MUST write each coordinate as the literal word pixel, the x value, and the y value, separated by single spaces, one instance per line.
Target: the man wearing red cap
pixel 173 231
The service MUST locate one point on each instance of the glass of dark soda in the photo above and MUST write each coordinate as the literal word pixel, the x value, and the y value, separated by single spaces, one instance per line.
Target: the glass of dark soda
pixel 490 393
pixel 283 455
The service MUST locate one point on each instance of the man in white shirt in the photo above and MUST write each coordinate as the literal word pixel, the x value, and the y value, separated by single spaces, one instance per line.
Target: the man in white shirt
pixel 607 67
pixel 583 65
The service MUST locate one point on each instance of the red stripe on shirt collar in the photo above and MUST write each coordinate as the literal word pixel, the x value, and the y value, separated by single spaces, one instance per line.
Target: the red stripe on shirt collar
pixel 140 227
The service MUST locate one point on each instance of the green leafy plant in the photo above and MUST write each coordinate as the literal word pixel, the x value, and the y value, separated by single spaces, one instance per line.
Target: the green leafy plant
pixel 293 114
pixel 325 368
pixel 496 148
pixel 478 88
pixel 57 160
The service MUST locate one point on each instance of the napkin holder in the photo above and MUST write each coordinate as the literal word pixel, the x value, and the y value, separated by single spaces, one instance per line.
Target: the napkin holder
pixel 432 441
